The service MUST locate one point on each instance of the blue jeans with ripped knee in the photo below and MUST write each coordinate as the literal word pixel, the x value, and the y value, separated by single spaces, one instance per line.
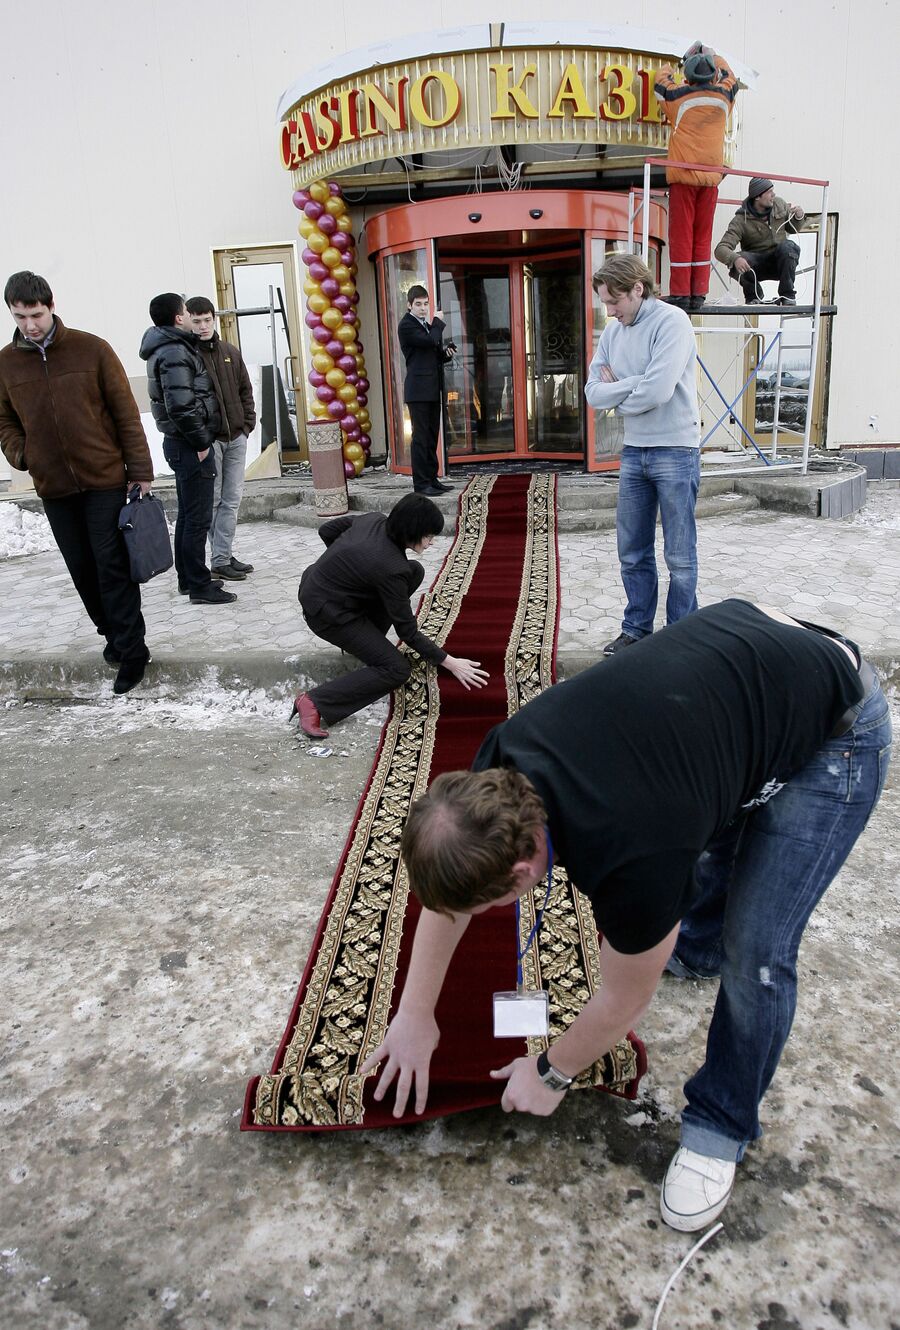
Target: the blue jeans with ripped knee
pixel 761 882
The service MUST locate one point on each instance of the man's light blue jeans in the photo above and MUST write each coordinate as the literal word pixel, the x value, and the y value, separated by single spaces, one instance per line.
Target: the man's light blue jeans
pixel 231 462
pixel 651 480
pixel 761 882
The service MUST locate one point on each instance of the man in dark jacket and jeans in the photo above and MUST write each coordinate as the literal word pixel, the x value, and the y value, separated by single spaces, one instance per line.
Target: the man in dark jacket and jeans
pixel 186 412
pixel 235 393
pixel 68 416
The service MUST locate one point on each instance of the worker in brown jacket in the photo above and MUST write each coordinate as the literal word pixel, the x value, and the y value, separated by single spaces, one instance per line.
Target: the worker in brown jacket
pixel 68 416
pixel 757 245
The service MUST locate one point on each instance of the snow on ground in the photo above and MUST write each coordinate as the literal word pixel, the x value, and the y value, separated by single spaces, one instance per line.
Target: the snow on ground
pixel 206 706
pixel 882 508
pixel 22 532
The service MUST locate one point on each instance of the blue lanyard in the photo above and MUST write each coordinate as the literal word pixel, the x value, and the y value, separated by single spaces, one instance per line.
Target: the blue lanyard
pixel 520 954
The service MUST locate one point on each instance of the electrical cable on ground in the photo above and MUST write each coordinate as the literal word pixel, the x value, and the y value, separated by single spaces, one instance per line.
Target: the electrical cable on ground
pixel 668 1288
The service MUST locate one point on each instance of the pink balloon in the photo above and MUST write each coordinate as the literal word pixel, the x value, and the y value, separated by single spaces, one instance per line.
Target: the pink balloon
pixel 309 258
pixel 336 409
pixel 325 394
pixel 354 299
pixel 350 318
pixel 334 348
pixel 347 422
pixel 349 470
pixel 331 287
pixel 313 210
pixel 341 240
pixel 327 224
pixel 365 441
pixel 361 398
pixel 347 364
pixel 315 378
pixel 363 385
pixel 322 335
pixel 340 302
pixel 300 196
pixel 353 377
pixel 316 268
pixel 334 189
pixel 312 320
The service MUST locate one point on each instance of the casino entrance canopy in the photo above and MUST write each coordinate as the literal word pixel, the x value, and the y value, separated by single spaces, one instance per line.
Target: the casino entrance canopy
pixel 510 101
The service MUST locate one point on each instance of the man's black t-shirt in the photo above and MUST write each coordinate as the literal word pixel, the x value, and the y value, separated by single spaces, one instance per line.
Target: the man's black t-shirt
pixel 643 759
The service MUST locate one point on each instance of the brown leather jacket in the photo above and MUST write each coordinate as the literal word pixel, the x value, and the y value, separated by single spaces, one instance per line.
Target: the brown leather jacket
pixel 232 384
pixel 68 415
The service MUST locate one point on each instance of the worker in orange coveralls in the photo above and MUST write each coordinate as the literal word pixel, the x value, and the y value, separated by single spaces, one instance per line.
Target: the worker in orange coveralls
pixel 697 111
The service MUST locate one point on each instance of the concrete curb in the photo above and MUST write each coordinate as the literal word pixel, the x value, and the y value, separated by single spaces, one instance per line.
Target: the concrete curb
pixel 61 677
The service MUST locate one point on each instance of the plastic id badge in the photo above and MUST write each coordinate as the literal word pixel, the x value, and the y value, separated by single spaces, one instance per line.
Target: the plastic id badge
pixel 521 1015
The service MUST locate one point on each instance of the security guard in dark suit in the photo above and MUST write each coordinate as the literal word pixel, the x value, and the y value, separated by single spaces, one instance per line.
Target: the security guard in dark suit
pixel 423 349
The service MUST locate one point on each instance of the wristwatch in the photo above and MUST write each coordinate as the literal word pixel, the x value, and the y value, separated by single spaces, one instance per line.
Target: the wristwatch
pixel 553 1079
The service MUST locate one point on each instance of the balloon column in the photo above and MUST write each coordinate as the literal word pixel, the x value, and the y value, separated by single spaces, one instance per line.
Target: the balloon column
pixel 338 374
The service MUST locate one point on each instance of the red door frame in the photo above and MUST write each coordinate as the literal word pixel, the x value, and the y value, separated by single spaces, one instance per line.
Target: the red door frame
pixel 421 225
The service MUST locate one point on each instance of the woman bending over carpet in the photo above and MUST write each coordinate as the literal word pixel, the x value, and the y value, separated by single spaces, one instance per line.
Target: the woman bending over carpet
pixel 353 593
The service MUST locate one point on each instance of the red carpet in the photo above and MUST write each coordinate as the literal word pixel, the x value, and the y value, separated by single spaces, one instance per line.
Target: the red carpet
pixel 495 600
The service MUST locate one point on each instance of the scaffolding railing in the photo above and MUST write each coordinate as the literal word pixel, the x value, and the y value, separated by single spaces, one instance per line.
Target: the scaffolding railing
pixel 814 311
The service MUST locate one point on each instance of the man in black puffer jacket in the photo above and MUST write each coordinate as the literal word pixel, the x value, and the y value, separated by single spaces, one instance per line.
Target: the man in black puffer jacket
pixel 186 411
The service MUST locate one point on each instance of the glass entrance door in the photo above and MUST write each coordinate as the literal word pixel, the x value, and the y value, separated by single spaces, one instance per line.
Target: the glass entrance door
pixel 243 279
pixel 554 355
pixel 515 386
pixel 480 416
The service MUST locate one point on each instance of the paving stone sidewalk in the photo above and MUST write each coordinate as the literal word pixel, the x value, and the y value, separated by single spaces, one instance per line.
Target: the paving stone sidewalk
pixel 839 572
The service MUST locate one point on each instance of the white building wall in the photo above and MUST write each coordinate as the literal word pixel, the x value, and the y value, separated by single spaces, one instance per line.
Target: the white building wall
pixel 137 137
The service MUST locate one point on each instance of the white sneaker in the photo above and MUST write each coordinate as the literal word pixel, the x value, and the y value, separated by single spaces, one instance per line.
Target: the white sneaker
pixel 696 1190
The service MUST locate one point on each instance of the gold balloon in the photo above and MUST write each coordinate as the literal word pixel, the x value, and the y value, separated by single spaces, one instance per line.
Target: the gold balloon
pixel 306 226
pixel 352 451
pixel 332 318
pixel 319 408
pixel 319 191
pixel 348 288
pixel 347 393
pixel 354 269
pixel 311 286
pixel 322 362
pixel 335 378
pixel 330 256
pixel 360 364
pixel 344 220
pixel 345 334
pixel 359 464
pixel 318 243
pixel 336 206
pixel 340 272
pixel 350 348
pixel 319 303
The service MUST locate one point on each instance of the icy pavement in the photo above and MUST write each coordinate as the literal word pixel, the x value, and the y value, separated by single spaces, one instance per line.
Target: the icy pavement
pixel 165 865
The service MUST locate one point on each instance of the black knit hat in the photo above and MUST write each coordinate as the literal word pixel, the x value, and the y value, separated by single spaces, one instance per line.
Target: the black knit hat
pixel 758 185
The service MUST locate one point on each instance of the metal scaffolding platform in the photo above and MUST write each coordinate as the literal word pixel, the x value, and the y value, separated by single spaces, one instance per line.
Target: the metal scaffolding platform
pixel 710 321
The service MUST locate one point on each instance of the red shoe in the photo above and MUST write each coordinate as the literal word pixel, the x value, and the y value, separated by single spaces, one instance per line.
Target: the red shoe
pixel 310 720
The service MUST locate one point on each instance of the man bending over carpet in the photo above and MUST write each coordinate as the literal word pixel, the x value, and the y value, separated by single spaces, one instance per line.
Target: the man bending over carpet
pixel 702 791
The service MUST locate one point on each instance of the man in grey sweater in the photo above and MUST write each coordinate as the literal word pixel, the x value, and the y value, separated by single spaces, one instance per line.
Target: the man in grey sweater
pixel 645 369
